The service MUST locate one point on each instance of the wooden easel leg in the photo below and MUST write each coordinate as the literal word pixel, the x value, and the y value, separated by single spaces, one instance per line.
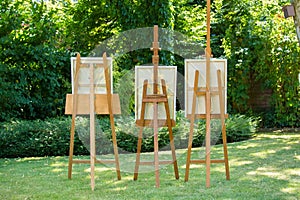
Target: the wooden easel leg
pixel 192 121
pixel 173 148
pixel 190 144
pixel 92 151
pixel 92 128
pixel 74 112
pixel 114 137
pixel 207 136
pixel 155 130
pixel 207 153
pixel 140 136
pixel 222 113
pixel 72 133
pixel 188 156
pixel 225 151
pixel 138 152
pixel 111 116
pixel 169 123
pixel 115 147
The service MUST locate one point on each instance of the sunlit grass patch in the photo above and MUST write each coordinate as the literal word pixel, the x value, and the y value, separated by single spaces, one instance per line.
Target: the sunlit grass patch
pixel 265 167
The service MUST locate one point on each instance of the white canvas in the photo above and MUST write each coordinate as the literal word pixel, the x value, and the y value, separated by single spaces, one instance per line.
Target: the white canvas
pixel 169 74
pixel 84 74
pixel 191 65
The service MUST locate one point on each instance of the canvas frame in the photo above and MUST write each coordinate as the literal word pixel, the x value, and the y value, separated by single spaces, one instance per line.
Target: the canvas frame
pixel 191 65
pixel 169 74
pixel 83 76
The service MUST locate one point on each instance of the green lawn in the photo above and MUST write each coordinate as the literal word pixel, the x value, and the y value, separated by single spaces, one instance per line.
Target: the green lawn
pixel 265 167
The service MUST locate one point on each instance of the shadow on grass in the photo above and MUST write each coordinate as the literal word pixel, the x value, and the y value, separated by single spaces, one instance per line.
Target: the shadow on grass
pixel 266 167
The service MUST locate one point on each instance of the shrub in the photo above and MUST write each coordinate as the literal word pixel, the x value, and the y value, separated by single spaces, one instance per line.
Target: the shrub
pixel 34 64
pixel 37 138
pixel 241 127
pixel 262 49
pixel 51 137
pixel 238 128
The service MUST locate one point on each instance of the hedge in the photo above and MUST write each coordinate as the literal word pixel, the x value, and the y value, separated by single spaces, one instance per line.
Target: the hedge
pixel 51 137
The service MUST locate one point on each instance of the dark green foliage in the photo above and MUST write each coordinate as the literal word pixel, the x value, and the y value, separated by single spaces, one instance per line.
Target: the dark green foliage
pixel 37 138
pixel 51 137
pixel 261 47
pixel 38 39
pixel 90 22
pixel 34 68
pixel 240 127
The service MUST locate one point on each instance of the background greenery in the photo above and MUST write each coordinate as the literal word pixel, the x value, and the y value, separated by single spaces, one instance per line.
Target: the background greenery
pixel 51 137
pixel 34 76
pixel 38 39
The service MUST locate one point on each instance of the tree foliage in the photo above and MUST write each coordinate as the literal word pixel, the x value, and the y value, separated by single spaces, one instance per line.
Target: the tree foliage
pixel 37 40
pixel 33 77
pixel 261 46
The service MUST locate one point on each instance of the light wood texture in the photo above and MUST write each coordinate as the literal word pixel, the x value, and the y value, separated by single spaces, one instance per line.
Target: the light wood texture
pixel 101 104
pixel 149 123
pixel 111 106
pixel 90 103
pixel 74 110
pixel 92 127
pixel 222 116
pixel 207 96
pixel 155 98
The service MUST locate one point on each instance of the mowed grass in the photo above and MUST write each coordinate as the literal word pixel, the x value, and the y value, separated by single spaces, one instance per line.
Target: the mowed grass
pixel 265 167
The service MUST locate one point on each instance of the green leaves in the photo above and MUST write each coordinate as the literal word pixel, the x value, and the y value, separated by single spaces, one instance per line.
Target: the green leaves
pixel 37 40
pixel 261 47
pixel 37 138
pixel 34 65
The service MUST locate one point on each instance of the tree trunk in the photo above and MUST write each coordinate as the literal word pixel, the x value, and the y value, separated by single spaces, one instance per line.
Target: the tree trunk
pixel 296 4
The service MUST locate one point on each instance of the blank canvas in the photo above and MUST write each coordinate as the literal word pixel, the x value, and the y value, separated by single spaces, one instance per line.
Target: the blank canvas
pixel 191 65
pixel 169 74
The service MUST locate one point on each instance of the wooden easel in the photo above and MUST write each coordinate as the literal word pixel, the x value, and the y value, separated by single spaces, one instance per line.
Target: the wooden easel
pixel 91 104
pixel 155 99
pixel 198 91
pixel 207 93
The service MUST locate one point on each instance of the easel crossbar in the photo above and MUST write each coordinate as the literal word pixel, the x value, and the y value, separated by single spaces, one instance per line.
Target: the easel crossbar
pixel 203 116
pixel 204 161
pixel 96 161
pixel 155 99
pixel 101 104
pixel 160 162
pixel 207 116
pixel 149 123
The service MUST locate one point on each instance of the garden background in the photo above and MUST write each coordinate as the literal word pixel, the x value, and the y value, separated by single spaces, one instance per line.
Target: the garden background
pixel 37 40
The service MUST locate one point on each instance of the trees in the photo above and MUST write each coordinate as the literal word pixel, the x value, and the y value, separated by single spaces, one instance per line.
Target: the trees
pixel 37 40
pixel 296 6
pixel 33 77
pixel 261 48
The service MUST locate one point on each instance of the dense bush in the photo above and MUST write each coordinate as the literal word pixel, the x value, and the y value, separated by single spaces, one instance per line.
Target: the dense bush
pixel 37 40
pixel 261 47
pixel 37 138
pixel 51 137
pixel 34 65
